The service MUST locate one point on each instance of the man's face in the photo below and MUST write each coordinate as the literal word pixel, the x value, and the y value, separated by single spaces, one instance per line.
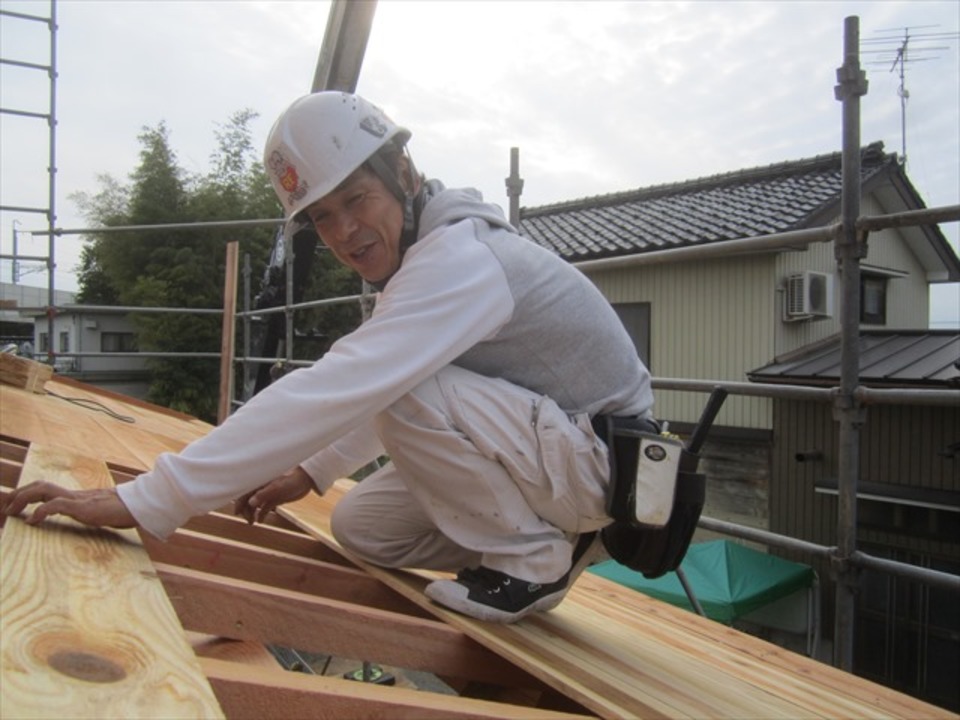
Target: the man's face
pixel 361 221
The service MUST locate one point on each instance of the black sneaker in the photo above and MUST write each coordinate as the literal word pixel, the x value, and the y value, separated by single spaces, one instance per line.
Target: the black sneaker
pixel 494 596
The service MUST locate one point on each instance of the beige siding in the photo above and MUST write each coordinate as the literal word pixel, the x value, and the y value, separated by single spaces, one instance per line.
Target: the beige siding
pixel 907 298
pixel 719 319
pixel 793 334
pixel 710 320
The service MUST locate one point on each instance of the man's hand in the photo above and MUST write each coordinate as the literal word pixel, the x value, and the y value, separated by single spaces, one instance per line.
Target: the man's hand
pixel 256 504
pixel 99 508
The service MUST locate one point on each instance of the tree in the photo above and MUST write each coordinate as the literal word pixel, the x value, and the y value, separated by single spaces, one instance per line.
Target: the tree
pixel 173 268
pixel 184 268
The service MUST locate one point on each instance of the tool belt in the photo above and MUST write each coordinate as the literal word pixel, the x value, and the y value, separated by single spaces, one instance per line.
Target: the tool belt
pixel 655 495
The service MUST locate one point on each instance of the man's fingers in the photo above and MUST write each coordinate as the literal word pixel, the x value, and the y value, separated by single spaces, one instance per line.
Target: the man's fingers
pixel 262 503
pixel 35 492
pixel 57 506
pixel 99 508
pixel 243 508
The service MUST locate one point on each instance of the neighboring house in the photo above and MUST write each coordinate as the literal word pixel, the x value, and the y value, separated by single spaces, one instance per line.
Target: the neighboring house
pixel 24 323
pixel 76 330
pixel 702 302
pixel 18 307
pixel 908 506
pixel 728 312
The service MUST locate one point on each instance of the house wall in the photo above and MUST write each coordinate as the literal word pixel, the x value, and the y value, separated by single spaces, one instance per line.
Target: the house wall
pixel 718 319
pixel 90 328
pixel 907 632
pixel 85 332
pixel 903 447
pixel 907 297
pixel 709 320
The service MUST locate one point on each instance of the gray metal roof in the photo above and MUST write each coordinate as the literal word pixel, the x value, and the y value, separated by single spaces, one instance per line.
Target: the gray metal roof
pixel 742 204
pixel 892 358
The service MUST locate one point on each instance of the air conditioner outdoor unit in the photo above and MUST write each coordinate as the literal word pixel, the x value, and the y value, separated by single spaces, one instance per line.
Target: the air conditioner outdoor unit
pixel 810 294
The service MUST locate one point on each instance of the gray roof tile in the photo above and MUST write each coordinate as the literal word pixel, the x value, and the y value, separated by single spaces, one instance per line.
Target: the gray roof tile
pixel 741 204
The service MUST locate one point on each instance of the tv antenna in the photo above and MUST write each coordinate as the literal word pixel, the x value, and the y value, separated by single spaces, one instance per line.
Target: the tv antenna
pixel 895 48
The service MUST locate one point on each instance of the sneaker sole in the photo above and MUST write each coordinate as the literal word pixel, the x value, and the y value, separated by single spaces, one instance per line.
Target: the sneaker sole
pixel 453 595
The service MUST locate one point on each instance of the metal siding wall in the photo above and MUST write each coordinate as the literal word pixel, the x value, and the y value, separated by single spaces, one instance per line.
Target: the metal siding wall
pixel 795 334
pixel 907 300
pixel 709 320
pixel 900 445
pixel 795 508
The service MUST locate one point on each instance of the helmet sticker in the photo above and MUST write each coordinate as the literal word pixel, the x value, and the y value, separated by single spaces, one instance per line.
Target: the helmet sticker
pixel 287 177
pixel 374 125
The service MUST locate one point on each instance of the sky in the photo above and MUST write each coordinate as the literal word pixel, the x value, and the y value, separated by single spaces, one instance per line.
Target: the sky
pixel 598 96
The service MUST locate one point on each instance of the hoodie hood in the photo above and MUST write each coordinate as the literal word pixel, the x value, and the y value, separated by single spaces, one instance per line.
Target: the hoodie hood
pixel 435 206
pixel 445 207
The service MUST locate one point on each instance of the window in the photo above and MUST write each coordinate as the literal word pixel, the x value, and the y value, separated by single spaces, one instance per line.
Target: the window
pixel 118 342
pixel 44 342
pixel 64 341
pixel 636 319
pixel 873 300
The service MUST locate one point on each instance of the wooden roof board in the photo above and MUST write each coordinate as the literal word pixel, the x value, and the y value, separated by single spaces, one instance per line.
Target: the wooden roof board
pixel 606 649
pixel 86 628
pixel 622 654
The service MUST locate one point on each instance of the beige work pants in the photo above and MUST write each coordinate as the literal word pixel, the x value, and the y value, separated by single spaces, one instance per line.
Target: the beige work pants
pixel 482 472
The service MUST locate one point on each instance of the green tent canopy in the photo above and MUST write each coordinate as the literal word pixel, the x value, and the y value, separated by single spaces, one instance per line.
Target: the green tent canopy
pixel 728 579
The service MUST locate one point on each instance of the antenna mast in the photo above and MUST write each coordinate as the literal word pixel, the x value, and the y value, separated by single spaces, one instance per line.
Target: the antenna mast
pixel 895 48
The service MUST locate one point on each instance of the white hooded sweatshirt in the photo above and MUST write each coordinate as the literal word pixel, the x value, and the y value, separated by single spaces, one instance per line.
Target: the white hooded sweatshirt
pixel 470 292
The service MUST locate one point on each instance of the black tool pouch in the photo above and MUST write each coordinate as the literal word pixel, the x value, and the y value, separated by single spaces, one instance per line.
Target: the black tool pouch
pixel 651 550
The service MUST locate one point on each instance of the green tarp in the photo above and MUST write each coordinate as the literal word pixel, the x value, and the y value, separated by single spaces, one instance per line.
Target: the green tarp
pixel 728 579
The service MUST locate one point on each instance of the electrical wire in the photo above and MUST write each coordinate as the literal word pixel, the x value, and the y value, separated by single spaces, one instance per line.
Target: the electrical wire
pixel 94 405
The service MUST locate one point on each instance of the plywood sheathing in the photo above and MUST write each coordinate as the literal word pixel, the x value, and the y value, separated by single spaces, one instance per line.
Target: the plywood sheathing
pixel 623 655
pixel 87 629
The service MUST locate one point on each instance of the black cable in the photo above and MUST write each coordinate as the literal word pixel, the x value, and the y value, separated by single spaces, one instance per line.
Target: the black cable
pixel 94 405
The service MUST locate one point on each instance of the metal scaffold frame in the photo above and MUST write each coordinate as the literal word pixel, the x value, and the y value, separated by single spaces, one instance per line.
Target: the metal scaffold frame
pixel 51 118
pixel 848 399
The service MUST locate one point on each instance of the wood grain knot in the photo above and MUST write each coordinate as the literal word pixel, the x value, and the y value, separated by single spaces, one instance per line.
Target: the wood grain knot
pixel 86 666
pixel 84 657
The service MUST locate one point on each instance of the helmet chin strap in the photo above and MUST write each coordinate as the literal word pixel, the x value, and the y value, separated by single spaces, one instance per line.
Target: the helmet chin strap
pixel 412 205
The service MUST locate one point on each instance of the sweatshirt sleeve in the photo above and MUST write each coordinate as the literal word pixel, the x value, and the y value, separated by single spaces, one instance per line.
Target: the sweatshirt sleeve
pixel 449 294
pixel 344 457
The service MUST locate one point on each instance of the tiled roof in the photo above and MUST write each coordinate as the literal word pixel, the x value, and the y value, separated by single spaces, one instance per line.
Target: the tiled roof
pixel 746 203
pixel 893 358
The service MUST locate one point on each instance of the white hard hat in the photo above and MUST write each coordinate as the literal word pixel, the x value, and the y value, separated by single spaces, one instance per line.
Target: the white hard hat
pixel 318 141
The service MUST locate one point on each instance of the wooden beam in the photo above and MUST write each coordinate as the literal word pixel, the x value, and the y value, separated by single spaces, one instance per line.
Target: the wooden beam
pixel 13 450
pixel 9 473
pixel 24 373
pixel 246 611
pixel 248 653
pixel 255 693
pixel 234 528
pixel 277 569
pixel 87 629
pixel 228 331
pixel 12 455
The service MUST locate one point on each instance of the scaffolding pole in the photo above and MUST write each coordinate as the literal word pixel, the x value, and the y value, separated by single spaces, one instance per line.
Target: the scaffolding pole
pixel 848 412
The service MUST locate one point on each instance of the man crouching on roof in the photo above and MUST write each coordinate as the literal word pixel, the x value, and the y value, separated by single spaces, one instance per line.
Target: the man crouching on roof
pixel 479 372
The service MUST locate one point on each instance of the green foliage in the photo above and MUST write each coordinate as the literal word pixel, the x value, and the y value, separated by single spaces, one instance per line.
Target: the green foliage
pixel 185 268
pixel 177 268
